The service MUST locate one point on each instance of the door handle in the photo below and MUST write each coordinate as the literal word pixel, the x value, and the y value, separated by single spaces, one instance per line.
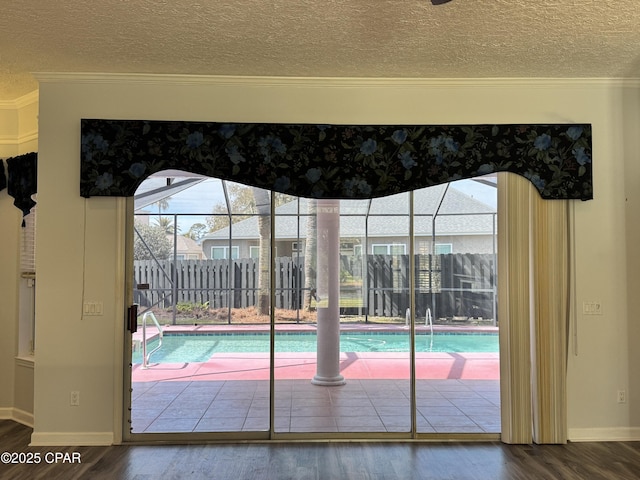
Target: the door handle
pixel 132 318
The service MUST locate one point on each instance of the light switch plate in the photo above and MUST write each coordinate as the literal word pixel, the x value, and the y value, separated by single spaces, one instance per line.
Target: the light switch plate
pixel 92 309
pixel 592 308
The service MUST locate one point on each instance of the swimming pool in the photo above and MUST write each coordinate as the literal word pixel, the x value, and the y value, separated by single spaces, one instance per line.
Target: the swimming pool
pixel 187 348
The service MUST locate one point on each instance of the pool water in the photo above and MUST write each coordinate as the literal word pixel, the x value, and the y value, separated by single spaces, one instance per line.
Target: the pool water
pixel 187 348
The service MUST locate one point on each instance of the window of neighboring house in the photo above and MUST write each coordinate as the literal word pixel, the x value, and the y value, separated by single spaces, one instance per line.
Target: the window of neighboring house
pixel 357 249
pixel 180 256
pixel 389 249
pixel 27 331
pixel 296 247
pixel 219 253
pixel 254 251
pixel 346 248
pixel 443 248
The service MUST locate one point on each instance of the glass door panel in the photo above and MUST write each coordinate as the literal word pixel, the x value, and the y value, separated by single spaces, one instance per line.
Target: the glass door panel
pixel 342 354
pixel 388 311
pixel 297 299
pixel 456 342
pixel 200 357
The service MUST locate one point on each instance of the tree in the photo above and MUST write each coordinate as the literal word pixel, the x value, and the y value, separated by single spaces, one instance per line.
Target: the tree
pixel 163 204
pixel 263 207
pixel 167 225
pixel 196 231
pixel 262 202
pixel 245 202
pixel 310 254
pixel 155 241
pixel 242 205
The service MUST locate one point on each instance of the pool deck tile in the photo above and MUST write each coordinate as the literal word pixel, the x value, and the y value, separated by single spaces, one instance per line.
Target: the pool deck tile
pixel 303 407
pixel 455 392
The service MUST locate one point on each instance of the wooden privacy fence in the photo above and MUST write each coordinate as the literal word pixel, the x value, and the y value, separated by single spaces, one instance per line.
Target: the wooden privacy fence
pixel 452 285
pixel 220 283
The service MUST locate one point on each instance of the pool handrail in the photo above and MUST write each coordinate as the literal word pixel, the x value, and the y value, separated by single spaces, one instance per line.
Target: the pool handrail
pixel 145 355
pixel 428 320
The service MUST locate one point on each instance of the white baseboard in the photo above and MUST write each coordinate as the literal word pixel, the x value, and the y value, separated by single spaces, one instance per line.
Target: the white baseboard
pixel 71 439
pixel 17 415
pixel 25 418
pixel 56 439
pixel 619 434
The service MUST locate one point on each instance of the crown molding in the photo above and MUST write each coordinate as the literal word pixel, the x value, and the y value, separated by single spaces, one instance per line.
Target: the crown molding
pixel 21 102
pixel 8 140
pixel 326 82
pixel 14 141
pixel 28 137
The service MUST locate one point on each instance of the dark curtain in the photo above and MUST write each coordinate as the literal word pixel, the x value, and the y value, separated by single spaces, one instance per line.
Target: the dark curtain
pixel 3 177
pixel 335 161
pixel 22 181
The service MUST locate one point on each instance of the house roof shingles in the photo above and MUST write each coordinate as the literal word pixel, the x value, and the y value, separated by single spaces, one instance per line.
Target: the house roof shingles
pixel 459 214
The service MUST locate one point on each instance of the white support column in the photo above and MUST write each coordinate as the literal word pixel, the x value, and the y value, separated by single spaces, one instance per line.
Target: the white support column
pixel 328 290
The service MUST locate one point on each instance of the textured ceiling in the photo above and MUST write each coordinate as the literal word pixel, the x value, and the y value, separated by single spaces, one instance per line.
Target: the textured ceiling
pixel 325 38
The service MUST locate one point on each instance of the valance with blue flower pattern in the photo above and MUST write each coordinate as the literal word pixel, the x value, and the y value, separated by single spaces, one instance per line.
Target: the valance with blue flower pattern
pixel 335 161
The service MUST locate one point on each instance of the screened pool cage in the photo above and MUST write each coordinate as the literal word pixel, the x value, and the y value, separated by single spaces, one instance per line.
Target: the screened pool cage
pixel 209 251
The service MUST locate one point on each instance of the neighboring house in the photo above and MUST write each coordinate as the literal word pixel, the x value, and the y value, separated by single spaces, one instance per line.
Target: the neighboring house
pixel 379 226
pixel 142 218
pixel 187 249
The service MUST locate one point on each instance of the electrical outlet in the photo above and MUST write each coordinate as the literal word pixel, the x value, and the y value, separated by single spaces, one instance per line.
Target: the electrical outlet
pixel 74 398
pixel 622 396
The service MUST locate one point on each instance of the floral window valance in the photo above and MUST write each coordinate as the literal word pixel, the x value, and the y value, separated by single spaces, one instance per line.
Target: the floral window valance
pixel 22 181
pixel 335 161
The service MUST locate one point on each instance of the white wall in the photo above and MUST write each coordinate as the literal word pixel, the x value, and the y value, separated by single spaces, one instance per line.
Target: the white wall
pixel 80 241
pixel 629 115
pixel 599 362
pixel 9 244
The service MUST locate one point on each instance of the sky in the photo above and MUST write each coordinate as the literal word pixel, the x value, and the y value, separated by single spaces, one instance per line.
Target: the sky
pixel 483 193
pixel 198 199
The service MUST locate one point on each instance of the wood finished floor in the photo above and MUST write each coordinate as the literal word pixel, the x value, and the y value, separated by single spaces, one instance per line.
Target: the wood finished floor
pixel 301 461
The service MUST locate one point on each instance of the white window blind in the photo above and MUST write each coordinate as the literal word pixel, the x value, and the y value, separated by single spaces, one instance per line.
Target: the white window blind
pixel 28 244
pixel 27 328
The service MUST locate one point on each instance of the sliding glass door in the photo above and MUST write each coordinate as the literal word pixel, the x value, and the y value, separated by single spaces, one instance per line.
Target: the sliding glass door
pixel 268 316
